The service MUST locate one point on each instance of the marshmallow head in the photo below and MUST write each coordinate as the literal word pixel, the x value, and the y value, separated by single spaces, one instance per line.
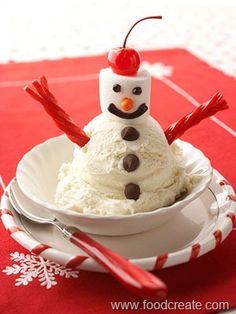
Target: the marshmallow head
pixel 125 98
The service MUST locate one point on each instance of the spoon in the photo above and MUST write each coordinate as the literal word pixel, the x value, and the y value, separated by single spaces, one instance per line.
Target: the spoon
pixel 131 276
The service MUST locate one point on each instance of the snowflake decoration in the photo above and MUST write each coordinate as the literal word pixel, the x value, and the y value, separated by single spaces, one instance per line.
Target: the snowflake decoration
pixel 33 266
pixel 158 69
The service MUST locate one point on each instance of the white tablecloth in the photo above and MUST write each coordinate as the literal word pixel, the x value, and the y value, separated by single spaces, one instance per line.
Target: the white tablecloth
pixel 49 29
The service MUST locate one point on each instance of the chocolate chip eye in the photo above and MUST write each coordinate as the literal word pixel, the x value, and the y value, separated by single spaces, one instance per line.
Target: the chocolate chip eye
pixel 137 91
pixel 117 88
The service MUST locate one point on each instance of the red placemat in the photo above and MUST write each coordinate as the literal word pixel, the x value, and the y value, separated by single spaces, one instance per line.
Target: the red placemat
pixel 75 83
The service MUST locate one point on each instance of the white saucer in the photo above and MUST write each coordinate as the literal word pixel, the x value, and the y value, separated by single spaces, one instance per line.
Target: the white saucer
pixel 196 230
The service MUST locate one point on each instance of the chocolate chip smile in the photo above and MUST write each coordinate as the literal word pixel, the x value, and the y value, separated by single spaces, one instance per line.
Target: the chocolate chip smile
pixel 125 115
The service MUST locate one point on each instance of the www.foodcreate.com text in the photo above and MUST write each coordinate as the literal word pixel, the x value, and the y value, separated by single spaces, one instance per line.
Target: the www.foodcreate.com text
pixel 170 305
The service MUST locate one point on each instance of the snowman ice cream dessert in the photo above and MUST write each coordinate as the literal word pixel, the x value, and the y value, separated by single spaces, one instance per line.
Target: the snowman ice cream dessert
pixel 123 163
pixel 127 166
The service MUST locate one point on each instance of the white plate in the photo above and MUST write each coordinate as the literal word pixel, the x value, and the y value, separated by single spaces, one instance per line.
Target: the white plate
pixel 194 231
pixel 37 174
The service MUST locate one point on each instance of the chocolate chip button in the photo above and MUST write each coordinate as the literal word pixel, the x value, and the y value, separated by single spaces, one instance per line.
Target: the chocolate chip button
pixel 129 134
pixel 132 191
pixel 130 162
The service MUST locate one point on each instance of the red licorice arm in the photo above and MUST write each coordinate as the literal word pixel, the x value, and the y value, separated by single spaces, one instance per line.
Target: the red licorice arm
pixel 57 113
pixel 208 109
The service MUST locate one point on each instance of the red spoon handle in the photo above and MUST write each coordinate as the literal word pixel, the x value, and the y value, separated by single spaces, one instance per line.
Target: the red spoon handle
pixel 134 278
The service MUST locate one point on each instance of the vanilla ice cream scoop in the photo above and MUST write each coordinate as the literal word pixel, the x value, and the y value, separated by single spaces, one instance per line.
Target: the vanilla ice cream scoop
pixel 94 182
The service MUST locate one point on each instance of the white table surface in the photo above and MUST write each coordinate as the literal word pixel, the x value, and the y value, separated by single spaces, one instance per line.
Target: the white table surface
pixel 49 29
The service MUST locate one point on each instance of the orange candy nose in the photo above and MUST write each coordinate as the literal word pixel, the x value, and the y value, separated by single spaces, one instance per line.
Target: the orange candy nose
pixel 127 104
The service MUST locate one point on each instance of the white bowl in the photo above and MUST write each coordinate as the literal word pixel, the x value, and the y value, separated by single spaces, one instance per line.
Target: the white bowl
pixel 37 178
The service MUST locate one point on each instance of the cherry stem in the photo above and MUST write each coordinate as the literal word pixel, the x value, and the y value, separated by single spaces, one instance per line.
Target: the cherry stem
pixel 145 18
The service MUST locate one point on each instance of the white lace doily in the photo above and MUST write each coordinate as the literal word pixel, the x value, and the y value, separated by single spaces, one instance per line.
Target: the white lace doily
pixel 36 30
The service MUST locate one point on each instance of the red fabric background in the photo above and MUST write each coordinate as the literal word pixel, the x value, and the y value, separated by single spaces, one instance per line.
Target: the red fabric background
pixel 24 124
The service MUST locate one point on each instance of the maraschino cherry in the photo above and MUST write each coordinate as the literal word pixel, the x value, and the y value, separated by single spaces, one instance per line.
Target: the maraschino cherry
pixel 124 60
